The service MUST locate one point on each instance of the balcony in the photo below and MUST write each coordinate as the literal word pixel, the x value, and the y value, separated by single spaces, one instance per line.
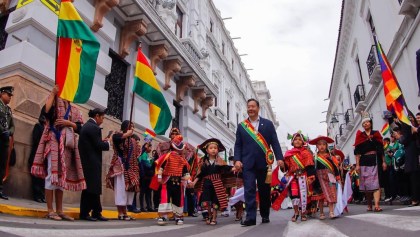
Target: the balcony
pixel 231 126
pixel 373 67
pixel 219 114
pixel 359 98
pixel 409 7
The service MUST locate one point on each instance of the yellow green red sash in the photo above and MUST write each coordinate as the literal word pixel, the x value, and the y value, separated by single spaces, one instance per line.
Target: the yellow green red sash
pixel 298 162
pixel 259 139
pixel 325 162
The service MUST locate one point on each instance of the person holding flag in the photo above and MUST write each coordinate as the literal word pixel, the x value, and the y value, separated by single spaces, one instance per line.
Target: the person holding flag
pixel 58 148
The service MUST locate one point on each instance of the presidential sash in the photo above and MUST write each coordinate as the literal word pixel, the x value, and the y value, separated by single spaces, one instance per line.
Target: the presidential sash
pixel 325 162
pixel 260 140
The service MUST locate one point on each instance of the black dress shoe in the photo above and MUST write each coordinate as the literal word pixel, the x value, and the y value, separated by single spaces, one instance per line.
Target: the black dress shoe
pixel 101 218
pixel 248 222
pixel 265 220
pixel 2 196
pixel 88 218
pixel 135 210
pixel 39 200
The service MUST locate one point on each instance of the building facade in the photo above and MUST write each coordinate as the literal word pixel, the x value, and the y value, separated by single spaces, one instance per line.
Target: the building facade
pixel 356 83
pixel 191 52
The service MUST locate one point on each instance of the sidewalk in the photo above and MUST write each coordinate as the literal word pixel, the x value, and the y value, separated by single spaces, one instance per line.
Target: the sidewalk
pixel 29 208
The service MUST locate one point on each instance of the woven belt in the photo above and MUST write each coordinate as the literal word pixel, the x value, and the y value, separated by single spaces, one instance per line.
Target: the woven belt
pixel 370 153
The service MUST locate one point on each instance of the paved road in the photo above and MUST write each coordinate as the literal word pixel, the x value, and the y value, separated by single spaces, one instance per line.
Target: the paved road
pixel 394 221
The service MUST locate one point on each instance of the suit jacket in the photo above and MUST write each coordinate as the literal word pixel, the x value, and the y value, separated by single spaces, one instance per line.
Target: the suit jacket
pixel 91 146
pixel 249 152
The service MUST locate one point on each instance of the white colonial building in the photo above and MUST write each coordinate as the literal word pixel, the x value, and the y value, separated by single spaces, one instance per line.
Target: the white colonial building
pixel 191 52
pixel 356 83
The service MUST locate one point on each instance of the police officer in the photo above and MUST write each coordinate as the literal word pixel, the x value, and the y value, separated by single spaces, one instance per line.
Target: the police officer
pixel 7 128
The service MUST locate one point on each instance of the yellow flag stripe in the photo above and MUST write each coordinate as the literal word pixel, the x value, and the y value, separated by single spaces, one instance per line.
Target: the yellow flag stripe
pixel 73 72
pixel 146 74
pixel 68 12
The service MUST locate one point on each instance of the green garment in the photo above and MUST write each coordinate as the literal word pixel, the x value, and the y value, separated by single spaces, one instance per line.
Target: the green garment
pixel 145 159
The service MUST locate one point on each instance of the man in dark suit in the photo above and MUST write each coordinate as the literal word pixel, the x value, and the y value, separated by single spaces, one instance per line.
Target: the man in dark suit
pixel 91 146
pixel 251 159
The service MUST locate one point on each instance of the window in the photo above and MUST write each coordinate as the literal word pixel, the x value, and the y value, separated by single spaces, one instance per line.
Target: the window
pixel 178 24
pixel 215 101
pixel 227 110
pixel 223 48
pixel 233 62
pixel 211 25
pixel 359 70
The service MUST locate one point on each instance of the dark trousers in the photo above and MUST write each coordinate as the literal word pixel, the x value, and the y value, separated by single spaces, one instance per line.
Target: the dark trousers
pixel 145 193
pixel 189 192
pixel 392 180
pixel 90 202
pixel 250 193
pixel 3 159
pixel 403 182
pixel 415 185
pixel 156 197
pixel 38 188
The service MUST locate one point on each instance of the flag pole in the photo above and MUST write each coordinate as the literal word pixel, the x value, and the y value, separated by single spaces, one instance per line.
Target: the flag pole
pixel 132 97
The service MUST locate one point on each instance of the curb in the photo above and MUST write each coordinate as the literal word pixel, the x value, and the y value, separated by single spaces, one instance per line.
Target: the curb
pixel 73 212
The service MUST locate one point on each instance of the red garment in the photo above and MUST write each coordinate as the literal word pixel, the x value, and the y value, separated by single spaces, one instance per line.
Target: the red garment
pixel 362 137
pixel 302 154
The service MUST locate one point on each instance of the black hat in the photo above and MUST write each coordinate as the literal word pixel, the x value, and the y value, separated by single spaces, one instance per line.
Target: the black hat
pixel 7 89
pixel 93 112
pixel 209 141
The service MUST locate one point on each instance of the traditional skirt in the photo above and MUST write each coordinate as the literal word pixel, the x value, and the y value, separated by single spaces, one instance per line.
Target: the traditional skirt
pixel 369 180
pixel 329 189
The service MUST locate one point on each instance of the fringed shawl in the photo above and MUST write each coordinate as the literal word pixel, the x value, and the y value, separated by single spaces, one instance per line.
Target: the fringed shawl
pixel 127 165
pixel 66 166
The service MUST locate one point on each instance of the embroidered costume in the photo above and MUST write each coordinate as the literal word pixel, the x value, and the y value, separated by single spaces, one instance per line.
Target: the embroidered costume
pixel 57 158
pixel 172 170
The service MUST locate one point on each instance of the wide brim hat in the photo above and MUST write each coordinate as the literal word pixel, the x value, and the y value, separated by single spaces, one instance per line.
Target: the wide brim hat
pixel 337 152
pixel 321 138
pixel 174 130
pixel 203 146
pixel 178 143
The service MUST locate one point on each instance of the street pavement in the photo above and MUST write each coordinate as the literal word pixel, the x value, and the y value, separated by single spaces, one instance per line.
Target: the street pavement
pixel 393 221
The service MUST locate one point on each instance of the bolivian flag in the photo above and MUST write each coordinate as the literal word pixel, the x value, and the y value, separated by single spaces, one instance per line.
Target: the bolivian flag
pixel 146 86
pixel 385 129
pixel 78 51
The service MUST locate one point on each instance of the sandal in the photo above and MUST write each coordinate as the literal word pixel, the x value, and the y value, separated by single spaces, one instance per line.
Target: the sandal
pixel 213 222
pixel 322 216
pixel 65 217
pixel 295 217
pixel 303 217
pixel 332 216
pixel 238 218
pixel 377 209
pixel 369 209
pixel 53 216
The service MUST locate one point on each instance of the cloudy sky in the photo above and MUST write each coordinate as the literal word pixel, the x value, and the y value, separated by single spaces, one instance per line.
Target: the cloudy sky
pixel 291 45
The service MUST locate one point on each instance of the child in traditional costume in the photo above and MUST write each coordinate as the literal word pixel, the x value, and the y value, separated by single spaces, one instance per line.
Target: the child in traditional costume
pixel 214 195
pixel 172 172
pixel 123 174
pixel 327 174
pixel 301 173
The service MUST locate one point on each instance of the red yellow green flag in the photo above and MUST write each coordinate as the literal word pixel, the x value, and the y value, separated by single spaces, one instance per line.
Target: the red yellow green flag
pixel 78 51
pixel 385 129
pixel 393 95
pixel 146 86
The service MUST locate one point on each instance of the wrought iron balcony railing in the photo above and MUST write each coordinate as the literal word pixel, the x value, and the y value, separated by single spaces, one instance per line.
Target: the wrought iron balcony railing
pixel 348 116
pixel 372 60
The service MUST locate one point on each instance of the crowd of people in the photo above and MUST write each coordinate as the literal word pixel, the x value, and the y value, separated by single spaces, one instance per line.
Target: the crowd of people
pixel 175 178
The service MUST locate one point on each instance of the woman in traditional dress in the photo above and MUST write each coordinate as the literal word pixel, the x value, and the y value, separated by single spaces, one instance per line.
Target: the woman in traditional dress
pixel 123 174
pixel 57 158
pixel 369 152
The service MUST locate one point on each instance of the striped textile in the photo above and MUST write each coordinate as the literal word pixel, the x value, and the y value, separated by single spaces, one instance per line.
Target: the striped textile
pixel 220 190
